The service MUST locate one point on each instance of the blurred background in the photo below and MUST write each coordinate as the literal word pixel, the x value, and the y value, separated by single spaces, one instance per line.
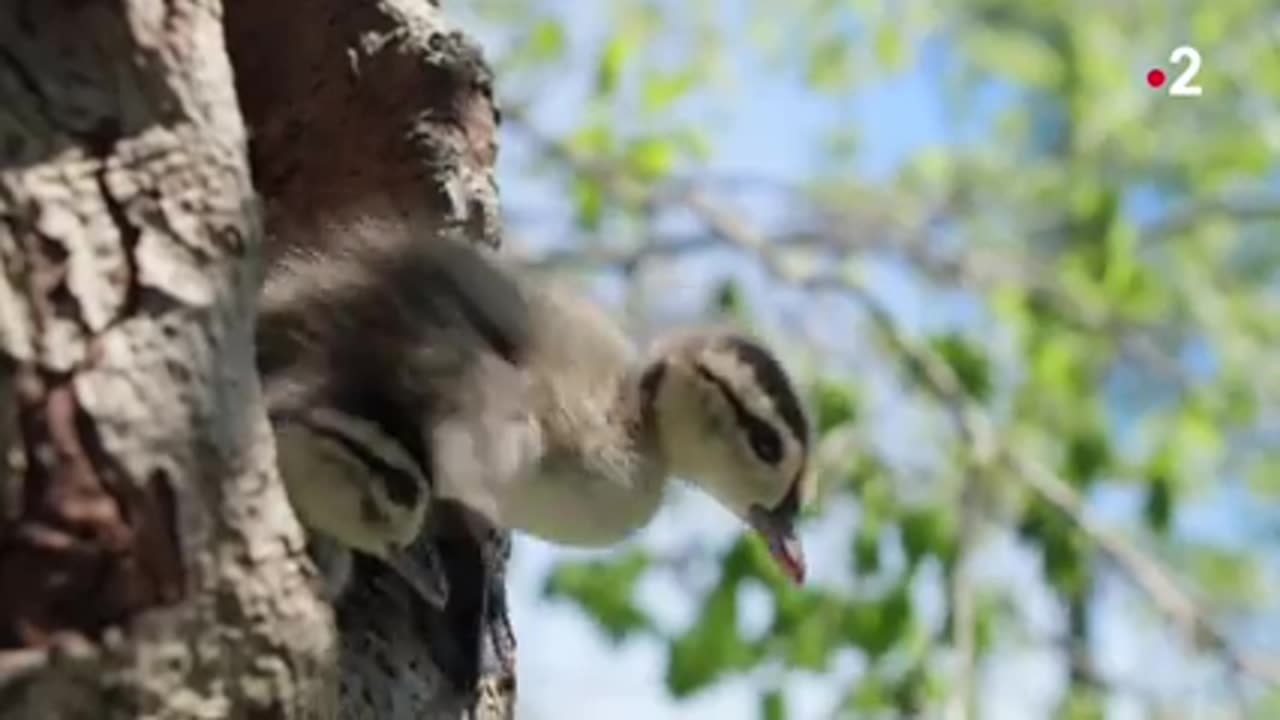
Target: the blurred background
pixel 1034 304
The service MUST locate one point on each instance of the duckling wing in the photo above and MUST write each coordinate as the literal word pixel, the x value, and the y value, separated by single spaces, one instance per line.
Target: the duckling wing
pixel 394 333
pixel 422 342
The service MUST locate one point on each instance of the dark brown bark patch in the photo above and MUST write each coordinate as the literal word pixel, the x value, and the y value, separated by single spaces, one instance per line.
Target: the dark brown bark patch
pixel 85 552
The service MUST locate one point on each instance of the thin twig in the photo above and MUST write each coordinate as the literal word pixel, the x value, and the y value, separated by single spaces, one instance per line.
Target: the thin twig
pixel 981 271
pixel 963 703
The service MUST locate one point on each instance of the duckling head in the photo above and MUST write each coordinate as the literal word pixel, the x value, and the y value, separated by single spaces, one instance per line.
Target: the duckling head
pixel 726 417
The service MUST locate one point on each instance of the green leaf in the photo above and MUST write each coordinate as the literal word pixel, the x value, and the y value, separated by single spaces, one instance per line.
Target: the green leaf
pixel 588 200
pixel 835 404
pixel 711 648
pixel 773 706
pixel 876 626
pixel 1063 549
pixel 840 145
pixel 1230 575
pixel 1264 475
pixel 1082 703
pixel 612 61
pixel 592 139
pixel 650 158
pixel 604 590
pixel 878 503
pixel 906 695
pixel 1269 703
pixel 546 40
pixel 858 621
pixel 1196 433
pixel 889 48
pixel 866 548
pixel 792 607
pixel 895 621
pixel 1056 366
pixel 1207 25
pixel 729 299
pixel 1024 56
pixel 828 67
pixel 1158 508
pixel 1088 453
pixel 869 696
pixel 967 362
pixel 864 470
pixel 1064 561
pixel 1237 399
pixel 749 557
pixel 928 531
pixel 986 620
pixel 659 91
pixel 1190 444
pixel 810 644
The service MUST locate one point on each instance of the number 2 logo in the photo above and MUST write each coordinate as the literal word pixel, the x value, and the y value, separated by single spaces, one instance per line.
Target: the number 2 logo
pixel 1181 85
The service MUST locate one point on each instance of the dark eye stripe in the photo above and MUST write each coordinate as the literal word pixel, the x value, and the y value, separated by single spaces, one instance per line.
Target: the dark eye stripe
pixel 763 439
pixel 401 487
pixel 775 382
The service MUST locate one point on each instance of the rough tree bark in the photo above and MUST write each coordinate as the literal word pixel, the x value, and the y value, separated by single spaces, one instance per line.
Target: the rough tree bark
pixel 149 565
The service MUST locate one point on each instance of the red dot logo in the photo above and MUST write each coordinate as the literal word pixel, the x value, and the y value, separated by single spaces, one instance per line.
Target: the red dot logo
pixel 1155 78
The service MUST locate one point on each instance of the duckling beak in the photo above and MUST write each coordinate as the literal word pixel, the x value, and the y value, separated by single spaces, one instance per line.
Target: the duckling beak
pixel 779 531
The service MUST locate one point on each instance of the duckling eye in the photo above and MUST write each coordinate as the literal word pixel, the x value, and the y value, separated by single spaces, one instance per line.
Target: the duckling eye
pixel 765 443
pixel 763 439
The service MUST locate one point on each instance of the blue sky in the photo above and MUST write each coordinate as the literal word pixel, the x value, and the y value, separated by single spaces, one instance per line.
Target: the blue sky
pixel 768 132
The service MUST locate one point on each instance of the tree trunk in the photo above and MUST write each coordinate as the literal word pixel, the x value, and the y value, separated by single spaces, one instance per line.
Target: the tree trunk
pixel 149 563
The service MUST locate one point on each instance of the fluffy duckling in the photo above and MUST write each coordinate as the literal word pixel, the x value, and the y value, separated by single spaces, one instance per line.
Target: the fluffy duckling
pixel 401 373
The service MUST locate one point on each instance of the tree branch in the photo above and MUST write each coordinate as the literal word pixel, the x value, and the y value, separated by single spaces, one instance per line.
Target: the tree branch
pixel 972 425
pixel 963 704
pixel 843 234
pixel 979 433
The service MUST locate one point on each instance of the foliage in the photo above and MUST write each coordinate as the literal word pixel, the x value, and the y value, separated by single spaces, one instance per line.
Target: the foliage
pixel 1099 267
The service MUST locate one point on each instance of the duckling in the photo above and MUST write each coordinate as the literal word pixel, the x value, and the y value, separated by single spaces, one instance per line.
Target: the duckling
pixel 400 374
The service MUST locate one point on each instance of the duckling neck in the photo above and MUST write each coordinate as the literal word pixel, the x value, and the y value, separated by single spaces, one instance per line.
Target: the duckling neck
pixel 585 500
